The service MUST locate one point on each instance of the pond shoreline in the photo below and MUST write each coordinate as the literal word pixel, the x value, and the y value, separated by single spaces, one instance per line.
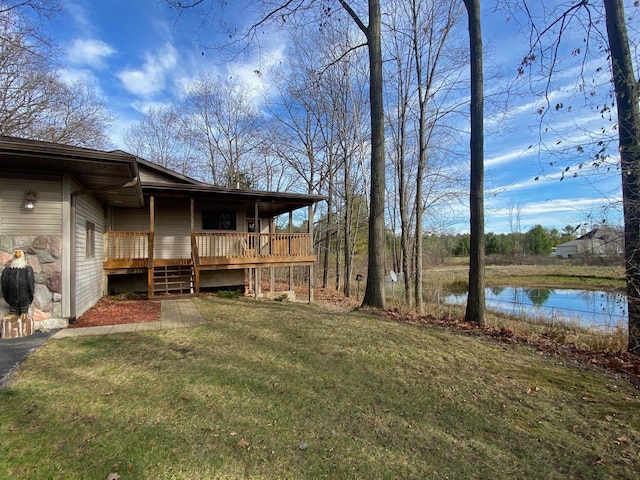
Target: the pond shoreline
pixel 609 278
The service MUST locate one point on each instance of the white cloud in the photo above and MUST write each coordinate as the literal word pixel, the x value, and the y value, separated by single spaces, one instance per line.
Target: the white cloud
pixel 509 157
pixel 151 77
pixel 73 75
pixel 90 52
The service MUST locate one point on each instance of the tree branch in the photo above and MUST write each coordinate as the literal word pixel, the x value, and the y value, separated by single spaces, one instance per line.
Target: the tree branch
pixel 355 18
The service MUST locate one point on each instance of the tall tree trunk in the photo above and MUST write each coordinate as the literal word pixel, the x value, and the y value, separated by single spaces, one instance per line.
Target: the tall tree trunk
pixel 627 98
pixel 348 230
pixel 338 245
pixel 403 195
pixel 374 294
pixel 475 311
pixel 422 163
pixel 327 245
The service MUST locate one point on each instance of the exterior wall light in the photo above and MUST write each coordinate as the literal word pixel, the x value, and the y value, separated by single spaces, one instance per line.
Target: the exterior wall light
pixel 30 200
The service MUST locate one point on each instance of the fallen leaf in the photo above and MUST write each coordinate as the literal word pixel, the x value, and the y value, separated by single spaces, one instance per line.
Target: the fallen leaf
pixel 242 443
pixel 233 434
pixel 623 438
pixel 589 399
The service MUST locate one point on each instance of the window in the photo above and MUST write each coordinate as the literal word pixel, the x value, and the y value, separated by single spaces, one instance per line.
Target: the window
pixel 212 220
pixel 90 237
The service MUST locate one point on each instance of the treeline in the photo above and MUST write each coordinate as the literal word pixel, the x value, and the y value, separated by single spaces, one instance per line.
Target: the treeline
pixel 536 241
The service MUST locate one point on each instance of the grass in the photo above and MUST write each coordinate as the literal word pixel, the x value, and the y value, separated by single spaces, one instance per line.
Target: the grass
pixel 276 390
pixel 559 275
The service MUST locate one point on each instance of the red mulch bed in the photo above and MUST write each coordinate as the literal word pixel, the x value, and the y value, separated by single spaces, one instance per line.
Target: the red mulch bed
pixel 116 311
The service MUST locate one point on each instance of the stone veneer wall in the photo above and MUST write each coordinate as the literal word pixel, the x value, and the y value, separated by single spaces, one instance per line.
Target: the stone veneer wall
pixel 44 255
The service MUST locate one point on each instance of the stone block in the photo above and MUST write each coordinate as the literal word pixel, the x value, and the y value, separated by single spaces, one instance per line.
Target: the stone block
pixel 40 243
pixel 45 256
pixel 55 246
pixel 5 258
pixel 54 283
pixel 6 243
pixel 42 297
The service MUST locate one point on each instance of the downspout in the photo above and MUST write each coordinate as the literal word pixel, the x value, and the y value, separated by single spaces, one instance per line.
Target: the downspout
pixel 72 253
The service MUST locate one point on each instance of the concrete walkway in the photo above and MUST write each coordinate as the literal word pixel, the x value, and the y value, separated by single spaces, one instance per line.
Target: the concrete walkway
pixel 179 313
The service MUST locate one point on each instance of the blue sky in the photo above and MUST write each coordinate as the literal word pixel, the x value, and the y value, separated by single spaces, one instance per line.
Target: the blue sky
pixel 138 54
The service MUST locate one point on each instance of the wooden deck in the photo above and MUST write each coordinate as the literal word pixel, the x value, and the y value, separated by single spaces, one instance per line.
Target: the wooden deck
pixel 211 251
pixel 132 252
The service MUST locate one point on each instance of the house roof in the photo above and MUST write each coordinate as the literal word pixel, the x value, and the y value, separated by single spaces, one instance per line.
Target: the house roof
pixel 118 178
pixel 269 203
pixel 154 173
pixel 111 176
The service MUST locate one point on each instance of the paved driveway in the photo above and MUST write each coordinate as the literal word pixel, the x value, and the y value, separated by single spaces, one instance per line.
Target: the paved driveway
pixel 13 351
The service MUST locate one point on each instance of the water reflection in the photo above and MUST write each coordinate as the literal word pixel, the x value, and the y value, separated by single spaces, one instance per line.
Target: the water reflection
pixel 589 308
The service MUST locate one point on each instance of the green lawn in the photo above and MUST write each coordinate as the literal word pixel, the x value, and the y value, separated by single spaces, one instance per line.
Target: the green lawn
pixel 276 390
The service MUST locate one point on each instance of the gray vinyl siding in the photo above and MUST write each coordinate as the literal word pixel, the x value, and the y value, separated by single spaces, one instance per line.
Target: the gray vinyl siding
pixel 44 219
pixel 172 228
pixel 149 176
pixel 89 275
pixel 130 219
pixel 172 224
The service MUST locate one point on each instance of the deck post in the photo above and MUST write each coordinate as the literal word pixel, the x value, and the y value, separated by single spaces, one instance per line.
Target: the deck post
pixel 310 222
pixel 290 252
pixel 194 263
pixel 256 235
pixel 272 276
pixel 150 246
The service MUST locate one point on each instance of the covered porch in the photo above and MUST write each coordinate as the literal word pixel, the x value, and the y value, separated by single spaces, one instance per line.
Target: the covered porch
pixel 177 260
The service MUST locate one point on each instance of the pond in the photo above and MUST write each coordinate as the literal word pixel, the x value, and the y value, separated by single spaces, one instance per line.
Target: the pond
pixel 591 309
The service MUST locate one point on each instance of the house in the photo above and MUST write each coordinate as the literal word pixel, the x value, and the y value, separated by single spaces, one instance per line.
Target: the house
pixel 599 242
pixel 94 222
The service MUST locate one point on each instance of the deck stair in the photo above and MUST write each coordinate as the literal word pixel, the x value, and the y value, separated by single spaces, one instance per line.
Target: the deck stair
pixel 173 279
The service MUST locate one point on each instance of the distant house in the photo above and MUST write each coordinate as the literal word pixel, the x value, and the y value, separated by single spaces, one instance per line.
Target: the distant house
pixel 94 222
pixel 600 242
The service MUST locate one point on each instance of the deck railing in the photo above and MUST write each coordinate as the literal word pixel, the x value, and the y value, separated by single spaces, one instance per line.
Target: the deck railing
pixel 252 245
pixel 135 245
pixel 127 245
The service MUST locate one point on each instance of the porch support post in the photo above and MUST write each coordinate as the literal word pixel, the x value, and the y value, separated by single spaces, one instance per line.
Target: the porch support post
pixel 272 277
pixel 150 246
pixel 311 282
pixel 290 252
pixel 256 287
pixel 195 267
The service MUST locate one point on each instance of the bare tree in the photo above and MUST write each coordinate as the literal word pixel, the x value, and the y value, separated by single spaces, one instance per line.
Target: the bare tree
pixel 222 121
pixel 426 68
pixel 546 40
pixel 160 137
pixel 34 102
pixel 374 294
pixel 628 101
pixel 25 85
pixel 515 225
pixel 75 116
pixel 278 12
pixel 475 311
pixel 25 18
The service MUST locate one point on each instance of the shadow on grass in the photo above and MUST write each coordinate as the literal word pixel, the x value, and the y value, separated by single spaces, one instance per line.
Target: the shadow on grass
pixel 295 391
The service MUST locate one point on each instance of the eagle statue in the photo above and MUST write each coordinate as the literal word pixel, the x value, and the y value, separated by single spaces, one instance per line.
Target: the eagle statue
pixel 18 283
